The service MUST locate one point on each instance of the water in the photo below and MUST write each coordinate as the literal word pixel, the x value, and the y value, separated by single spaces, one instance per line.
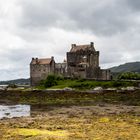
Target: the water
pixel 2 87
pixel 14 111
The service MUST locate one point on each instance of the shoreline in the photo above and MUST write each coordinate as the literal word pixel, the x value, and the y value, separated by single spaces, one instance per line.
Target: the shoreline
pixel 70 97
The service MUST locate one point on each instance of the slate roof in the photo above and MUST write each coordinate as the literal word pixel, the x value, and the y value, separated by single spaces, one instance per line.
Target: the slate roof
pixel 76 48
pixel 41 61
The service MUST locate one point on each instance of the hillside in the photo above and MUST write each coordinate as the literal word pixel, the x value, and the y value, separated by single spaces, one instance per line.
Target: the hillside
pixel 127 67
pixel 16 81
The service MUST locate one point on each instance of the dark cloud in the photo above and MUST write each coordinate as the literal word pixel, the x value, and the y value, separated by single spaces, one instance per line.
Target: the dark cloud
pixel 102 18
pixel 134 4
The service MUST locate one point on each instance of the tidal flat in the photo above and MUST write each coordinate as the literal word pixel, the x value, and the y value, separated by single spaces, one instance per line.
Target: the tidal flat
pixel 73 116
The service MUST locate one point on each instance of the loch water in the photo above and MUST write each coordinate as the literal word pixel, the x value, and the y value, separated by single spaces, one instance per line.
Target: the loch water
pixel 11 111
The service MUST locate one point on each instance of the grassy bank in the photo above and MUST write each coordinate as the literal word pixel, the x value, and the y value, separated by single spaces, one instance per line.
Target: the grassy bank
pixel 83 84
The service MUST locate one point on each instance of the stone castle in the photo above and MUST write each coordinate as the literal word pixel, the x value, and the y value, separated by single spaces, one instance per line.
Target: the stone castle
pixel 82 62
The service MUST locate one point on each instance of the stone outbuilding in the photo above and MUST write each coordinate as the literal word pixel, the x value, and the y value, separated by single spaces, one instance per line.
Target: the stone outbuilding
pixel 40 68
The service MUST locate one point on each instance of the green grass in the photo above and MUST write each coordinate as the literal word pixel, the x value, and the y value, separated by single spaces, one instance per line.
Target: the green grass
pixel 89 84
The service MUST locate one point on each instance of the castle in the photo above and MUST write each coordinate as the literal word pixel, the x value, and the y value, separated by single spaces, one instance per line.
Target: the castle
pixel 82 62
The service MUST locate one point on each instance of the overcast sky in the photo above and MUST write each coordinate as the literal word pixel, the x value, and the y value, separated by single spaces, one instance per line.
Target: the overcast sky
pixel 45 28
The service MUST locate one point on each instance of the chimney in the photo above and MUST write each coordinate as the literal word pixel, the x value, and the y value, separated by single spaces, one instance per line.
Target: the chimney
pixel 73 45
pixel 52 58
pixel 92 44
pixel 36 60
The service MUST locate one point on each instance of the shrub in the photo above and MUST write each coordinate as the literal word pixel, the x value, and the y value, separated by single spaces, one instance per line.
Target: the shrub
pixel 50 81
pixel 59 77
pixel 12 86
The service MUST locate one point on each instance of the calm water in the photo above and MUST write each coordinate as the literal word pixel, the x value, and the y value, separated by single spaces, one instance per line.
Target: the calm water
pixel 14 111
pixel 2 87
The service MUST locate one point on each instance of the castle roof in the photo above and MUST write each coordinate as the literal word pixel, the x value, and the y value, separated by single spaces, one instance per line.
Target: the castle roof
pixel 76 48
pixel 41 61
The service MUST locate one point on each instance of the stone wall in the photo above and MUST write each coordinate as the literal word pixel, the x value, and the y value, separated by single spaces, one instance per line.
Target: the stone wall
pixel 105 74
pixel 40 72
pixel 83 63
pixel 61 69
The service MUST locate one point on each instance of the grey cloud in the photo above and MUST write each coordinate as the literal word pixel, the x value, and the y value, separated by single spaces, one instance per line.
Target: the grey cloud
pixel 101 18
pixel 9 74
pixel 134 4
pixel 47 27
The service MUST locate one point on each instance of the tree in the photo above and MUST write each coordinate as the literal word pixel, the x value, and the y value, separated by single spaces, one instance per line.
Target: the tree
pixel 129 76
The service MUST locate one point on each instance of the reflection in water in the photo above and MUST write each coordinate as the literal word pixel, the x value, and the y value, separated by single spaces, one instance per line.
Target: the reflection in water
pixel 14 111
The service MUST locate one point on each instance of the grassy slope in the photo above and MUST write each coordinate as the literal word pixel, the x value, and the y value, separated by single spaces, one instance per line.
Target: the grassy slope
pixel 133 67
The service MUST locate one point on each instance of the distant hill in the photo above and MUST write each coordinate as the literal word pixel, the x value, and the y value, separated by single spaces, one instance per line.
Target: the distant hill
pixel 16 81
pixel 127 67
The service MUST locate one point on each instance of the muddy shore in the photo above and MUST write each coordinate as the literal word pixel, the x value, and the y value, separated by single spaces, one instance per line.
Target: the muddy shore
pixel 68 98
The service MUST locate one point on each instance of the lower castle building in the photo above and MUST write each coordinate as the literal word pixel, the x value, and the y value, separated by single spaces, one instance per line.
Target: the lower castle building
pixel 82 62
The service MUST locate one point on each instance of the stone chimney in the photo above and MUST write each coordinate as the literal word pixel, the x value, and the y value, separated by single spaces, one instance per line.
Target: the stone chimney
pixel 92 44
pixel 73 45
pixel 52 57
pixel 36 60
